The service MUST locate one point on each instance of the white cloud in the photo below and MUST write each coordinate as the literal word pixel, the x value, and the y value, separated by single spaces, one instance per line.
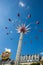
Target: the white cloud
pixel 21 4
pixel 41 53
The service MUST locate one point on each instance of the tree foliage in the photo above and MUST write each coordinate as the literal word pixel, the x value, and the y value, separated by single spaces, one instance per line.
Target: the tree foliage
pixel 35 64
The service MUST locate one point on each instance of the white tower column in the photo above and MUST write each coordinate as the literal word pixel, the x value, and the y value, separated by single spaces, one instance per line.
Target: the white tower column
pixel 22 30
pixel 19 49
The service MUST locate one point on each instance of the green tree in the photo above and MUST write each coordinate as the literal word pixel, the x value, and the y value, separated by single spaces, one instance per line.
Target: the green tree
pixel 35 64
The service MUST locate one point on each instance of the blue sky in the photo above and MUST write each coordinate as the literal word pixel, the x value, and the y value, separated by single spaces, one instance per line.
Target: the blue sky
pixel 10 9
